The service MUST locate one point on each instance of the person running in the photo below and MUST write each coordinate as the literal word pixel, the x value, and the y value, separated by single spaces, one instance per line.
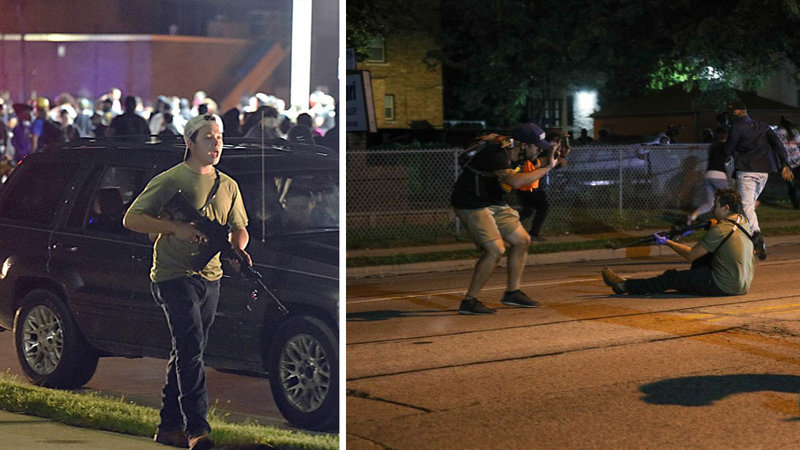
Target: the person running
pixel 756 151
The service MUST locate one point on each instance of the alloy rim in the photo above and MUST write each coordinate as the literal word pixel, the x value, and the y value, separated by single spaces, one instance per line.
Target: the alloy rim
pixel 42 340
pixel 305 373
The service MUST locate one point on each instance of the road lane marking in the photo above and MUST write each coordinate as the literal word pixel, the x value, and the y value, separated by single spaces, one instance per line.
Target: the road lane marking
pixel 699 316
pixel 765 308
pixel 462 291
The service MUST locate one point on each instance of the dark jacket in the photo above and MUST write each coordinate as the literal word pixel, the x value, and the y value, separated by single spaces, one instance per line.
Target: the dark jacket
pixel 129 124
pixel 755 147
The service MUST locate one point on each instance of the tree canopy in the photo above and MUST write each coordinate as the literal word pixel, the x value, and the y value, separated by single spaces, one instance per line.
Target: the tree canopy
pixel 499 55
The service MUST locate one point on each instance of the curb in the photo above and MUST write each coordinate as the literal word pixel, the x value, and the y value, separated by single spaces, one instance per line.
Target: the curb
pixel 392 270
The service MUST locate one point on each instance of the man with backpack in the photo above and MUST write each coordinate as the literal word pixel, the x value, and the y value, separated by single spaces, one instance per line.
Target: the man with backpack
pixel 479 202
pixel 722 261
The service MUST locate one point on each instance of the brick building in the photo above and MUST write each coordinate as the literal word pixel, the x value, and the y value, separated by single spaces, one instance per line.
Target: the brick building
pixel 406 88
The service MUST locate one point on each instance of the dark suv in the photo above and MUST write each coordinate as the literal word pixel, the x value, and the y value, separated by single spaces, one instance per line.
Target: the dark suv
pixel 74 283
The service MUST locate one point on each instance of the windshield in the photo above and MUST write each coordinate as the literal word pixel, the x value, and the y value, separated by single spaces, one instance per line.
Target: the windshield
pixel 293 202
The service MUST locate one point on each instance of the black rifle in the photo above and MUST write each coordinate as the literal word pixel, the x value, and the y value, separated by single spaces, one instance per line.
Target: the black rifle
pixel 671 234
pixel 179 209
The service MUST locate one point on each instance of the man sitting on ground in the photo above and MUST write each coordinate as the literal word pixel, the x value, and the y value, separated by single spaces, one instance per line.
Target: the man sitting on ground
pixel 722 262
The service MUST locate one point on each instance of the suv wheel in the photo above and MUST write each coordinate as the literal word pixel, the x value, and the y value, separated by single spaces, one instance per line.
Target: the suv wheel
pixel 303 370
pixel 50 348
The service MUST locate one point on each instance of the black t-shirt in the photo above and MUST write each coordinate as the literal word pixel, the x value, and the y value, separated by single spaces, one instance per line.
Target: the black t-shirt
pixel 716 156
pixel 52 133
pixel 130 124
pixel 473 190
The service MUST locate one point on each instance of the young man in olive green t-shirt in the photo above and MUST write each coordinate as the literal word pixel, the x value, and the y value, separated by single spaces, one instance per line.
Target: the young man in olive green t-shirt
pixel 730 271
pixel 187 288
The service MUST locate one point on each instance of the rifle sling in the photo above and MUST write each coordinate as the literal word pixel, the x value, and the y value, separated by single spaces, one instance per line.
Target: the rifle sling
pixel 213 191
pixel 749 236
pixel 731 233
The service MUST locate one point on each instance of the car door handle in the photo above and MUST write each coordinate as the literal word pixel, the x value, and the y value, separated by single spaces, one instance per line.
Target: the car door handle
pixel 65 248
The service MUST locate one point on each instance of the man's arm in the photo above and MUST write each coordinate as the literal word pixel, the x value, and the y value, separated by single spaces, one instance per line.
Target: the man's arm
pixel 733 140
pixel 783 156
pixel 685 251
pixel 518 179
pixel 240 238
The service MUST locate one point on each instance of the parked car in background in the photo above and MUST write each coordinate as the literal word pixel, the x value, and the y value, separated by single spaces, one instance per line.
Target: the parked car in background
pixel 74 283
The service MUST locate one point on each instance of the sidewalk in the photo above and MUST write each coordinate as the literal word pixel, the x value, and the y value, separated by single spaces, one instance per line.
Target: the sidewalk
pixel 539 258
pixel 35 433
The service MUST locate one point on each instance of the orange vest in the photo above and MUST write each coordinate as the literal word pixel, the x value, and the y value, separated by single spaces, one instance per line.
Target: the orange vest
pixel 528 166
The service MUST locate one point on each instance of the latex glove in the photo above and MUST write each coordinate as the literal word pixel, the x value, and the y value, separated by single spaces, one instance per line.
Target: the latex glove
pixel 787 174
pixel 659 239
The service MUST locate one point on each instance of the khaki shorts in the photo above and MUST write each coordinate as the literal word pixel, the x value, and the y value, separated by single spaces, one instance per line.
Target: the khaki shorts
pixel 490 223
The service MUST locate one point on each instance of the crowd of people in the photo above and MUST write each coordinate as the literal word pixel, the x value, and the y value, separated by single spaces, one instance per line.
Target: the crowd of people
pixel 30 127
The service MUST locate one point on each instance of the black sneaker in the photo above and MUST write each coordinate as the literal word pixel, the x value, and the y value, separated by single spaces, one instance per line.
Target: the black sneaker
pixel 614 281
pixel 760 246
pixel 537 239
pixel 518 298
pixel 474 306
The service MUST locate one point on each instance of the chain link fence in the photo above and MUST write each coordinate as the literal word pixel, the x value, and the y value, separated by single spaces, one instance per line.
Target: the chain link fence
pixel 402 197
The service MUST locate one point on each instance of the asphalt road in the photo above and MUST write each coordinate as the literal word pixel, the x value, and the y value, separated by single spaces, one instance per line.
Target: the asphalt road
pixel 239 397
pixel 588 369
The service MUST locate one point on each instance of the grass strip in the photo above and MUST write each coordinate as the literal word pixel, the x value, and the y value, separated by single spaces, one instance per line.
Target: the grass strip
pixel 118 415
pixel 545 247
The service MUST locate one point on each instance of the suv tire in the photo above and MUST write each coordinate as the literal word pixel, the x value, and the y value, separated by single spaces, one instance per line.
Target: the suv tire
pixel 303 366
pixel 50 347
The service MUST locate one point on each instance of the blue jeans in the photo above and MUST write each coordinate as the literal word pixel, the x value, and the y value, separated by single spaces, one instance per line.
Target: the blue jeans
pixel 189 304
pixel 750 185
pixel 710 186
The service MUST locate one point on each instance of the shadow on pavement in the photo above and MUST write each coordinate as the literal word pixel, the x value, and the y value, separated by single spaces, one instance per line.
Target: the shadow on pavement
pixel 386 314
pixel 705 390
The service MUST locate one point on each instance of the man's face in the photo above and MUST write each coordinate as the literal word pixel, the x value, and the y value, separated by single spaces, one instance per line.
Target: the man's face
pixel 526 151
pixel 207 146
pixel 298 210
pixel 720 212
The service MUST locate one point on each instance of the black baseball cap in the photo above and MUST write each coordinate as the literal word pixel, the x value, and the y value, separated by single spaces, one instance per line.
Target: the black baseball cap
pixel 736 104
pixel 530 133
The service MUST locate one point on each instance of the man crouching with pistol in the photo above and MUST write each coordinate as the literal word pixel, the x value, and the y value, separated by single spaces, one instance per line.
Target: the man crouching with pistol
pixel 184 282
pixel 722 262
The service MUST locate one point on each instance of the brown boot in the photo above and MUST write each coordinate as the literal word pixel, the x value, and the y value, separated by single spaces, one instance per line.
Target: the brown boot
pixel 176 438
pixel 614 281
pixel 201 442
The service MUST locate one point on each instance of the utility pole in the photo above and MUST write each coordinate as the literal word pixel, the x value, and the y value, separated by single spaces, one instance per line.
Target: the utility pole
pixel 21 23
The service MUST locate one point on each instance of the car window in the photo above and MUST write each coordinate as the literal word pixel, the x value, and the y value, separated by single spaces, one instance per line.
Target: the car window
pixel 36 192
pixel 101 205
pixel 293 202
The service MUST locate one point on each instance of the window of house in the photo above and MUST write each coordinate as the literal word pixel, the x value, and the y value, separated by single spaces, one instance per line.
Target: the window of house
pixel 547 112
pixel 388 102
pixel 376 52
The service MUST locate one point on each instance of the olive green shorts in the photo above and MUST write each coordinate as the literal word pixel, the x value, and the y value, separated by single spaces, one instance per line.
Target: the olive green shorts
pixel 490 223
